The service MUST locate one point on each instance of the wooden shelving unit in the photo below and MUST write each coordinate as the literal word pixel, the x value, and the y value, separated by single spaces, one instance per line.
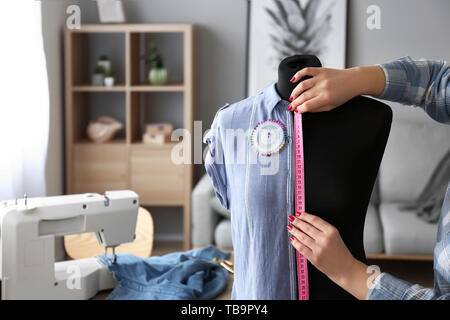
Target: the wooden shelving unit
pixel 126 162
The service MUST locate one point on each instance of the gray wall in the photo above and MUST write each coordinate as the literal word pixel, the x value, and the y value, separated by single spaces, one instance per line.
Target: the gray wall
pixel 409 27
pixel 418 28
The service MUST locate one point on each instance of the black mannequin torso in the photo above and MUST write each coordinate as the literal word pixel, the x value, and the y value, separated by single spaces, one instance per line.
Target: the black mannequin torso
pixel 343 150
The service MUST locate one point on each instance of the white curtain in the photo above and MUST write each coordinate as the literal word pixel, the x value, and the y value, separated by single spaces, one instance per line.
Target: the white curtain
pixel 24 100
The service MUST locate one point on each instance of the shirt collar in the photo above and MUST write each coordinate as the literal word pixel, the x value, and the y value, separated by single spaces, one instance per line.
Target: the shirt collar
pixel 272 98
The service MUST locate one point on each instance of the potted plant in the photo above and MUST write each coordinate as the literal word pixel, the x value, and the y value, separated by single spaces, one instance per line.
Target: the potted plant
pixel 104 62
pixel 98 76
pixel 109 79
pixel 158 75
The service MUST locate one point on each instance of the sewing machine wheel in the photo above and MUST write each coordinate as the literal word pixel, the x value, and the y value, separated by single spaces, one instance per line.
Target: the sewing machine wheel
pixel 84 245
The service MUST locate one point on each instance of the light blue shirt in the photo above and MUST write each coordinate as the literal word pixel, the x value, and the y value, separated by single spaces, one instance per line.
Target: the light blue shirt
pixel 258 190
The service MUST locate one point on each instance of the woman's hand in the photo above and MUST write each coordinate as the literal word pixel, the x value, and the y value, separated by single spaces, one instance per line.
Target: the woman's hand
pixel 330 88
pixel 320 243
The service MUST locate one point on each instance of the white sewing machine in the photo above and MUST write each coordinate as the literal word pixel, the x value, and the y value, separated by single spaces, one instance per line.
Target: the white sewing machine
pixel 27 243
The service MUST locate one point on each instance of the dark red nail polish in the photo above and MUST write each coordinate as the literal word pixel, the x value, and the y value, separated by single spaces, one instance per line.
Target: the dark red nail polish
pixel 291 218
pixel 289 227
pixel 291 98
pixel 292 238
pixel 289 107
pixel 298 214
pixel 293 79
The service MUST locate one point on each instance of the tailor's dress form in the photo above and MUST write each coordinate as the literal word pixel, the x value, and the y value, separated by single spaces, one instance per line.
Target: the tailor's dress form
pixel 343 150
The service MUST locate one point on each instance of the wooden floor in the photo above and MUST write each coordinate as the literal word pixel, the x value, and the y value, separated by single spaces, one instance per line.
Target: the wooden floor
pixel 420 272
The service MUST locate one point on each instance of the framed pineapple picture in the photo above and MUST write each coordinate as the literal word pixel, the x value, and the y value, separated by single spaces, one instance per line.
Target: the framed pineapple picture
pixel 110 11
pixel 282 28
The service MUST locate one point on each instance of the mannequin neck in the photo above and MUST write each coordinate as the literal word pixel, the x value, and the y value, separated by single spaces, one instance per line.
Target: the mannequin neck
pixel 286 70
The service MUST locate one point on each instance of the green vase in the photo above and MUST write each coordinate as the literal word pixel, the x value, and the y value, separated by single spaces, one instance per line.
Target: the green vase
pixel 158 76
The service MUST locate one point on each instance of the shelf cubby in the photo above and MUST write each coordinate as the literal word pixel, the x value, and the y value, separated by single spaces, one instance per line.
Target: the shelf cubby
pixel 154 107
pixel 169 45
pixel 89 106
pixel 87 49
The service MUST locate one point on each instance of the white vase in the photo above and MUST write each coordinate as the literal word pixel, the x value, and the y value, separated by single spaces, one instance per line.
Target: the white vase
pixel 109 81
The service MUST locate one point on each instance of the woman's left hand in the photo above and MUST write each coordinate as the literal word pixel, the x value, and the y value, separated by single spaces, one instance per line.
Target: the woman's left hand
pixel 320 243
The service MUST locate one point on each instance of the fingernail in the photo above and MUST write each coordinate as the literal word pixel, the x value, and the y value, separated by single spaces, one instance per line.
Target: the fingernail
pixel 291 98
pixel 291 218
pixel 298 214
pixel 289 107
pixel 296 111
pixel 292 238
pixel 289 227
pixel 293 79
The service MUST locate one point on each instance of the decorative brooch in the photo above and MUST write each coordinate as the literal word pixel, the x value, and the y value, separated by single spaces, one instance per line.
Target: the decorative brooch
pixel 268 137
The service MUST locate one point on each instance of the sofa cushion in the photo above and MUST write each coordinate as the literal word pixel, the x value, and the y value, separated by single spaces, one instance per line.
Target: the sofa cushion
pixel 222 234
pixel 405 233
pixel 204 219
pixel 217 207
pixel 373 233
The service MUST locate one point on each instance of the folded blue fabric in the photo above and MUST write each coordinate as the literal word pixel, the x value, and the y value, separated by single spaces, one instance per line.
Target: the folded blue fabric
pixel 174 276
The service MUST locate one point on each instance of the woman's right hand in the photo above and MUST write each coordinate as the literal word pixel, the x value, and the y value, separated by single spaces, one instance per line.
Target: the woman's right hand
pixel 330 88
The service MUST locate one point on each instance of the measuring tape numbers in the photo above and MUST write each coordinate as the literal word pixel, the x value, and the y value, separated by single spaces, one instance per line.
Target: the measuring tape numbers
pixel 299 190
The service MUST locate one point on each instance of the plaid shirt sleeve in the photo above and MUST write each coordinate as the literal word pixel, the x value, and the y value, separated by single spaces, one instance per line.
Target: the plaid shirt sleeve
pixel 388 287
pixel 421 83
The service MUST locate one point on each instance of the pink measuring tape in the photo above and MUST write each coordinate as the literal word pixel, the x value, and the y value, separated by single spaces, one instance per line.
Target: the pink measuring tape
pixel 299 189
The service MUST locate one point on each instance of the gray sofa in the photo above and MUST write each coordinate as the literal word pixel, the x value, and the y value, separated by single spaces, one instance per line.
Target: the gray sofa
pixel 416 144
pixel 210 221
pixel 415 147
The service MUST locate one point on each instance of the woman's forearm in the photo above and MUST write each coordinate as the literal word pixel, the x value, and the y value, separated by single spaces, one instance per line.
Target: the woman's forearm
pixel 355 280
pixel 330 88
pixel 369 80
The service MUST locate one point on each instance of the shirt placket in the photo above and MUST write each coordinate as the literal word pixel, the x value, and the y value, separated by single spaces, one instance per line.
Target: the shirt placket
pixel 290 207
